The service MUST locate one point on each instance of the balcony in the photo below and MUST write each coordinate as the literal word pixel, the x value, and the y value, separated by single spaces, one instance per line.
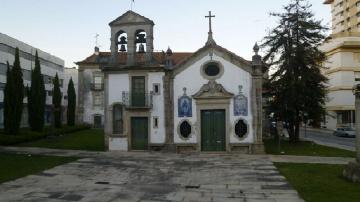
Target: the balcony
pixel 133 100
pixel 97 86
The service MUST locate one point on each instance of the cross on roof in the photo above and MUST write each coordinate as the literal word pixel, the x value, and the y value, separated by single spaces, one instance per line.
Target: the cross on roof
pixel 210 16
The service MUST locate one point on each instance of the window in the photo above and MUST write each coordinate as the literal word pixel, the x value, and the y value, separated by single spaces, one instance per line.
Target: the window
pixel 156 122
pixel 212 70
pixel 97 100
pixel 117 119
pixel 156 89
pixel 241 129
pixel 49 92
pixel 98 82
pixel 185 129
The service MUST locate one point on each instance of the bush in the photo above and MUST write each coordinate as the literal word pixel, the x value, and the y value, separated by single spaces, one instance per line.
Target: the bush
pixel 26 135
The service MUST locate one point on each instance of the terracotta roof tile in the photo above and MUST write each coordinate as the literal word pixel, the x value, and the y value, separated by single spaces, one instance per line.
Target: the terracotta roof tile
pixel 140 58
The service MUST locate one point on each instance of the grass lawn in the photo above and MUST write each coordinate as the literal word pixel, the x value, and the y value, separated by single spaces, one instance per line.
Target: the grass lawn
pixel 304 149
pixel 91 140
pixel 319 182
pixel 26 135
pixel 13 166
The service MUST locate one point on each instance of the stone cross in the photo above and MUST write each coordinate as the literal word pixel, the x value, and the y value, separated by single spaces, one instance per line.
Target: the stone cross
pixel 210 16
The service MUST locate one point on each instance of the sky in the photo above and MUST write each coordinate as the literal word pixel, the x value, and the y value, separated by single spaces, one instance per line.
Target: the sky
pixel 67 28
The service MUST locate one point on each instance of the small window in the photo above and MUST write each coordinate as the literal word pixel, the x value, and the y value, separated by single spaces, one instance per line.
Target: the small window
pixel 117 119
pixel 156 122
pixel 50 93
pixel 185 129
pixel 156 89
pixel 97 100
pixel 212 69
pixel 241 129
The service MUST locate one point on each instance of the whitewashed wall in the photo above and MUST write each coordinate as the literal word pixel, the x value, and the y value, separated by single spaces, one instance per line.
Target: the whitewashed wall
pixel 192 79
pixel 121 82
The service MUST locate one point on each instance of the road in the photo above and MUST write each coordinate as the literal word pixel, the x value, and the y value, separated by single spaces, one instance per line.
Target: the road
pixel 328 139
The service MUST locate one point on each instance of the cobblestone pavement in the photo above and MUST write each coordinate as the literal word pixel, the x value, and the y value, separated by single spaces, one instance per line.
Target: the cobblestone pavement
pixel 155 177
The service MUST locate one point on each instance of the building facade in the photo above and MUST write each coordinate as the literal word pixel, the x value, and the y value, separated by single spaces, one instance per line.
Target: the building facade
pixel 50 66
pixel 342 48
pixel 209 100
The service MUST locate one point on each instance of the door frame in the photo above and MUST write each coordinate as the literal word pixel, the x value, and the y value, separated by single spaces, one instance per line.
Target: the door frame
pixel 201 126
pixel 131 133
pixel 214 104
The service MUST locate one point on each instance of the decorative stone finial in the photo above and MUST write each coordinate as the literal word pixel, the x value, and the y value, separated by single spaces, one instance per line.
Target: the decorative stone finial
pixel 169 51
pixel 256 49
pixel 184 89
pixel 240 89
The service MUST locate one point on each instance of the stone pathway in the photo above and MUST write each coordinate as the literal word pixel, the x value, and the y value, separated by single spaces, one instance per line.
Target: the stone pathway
pixel 138 176
pixel 153 177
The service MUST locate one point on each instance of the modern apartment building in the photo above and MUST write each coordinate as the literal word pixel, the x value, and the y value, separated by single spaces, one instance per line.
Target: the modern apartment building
pixel 343 51
pixel 50 65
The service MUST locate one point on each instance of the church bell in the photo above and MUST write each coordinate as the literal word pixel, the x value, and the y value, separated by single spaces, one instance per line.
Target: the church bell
pixel 141 48
pixel 122 48
pixel 140 38
pixel 123 40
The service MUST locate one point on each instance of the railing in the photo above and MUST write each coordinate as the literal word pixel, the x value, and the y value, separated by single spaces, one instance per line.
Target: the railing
pixel 97 86
pixel 137 100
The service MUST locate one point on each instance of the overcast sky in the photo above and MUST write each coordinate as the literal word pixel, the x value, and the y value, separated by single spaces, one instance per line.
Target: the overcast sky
pixel 67 28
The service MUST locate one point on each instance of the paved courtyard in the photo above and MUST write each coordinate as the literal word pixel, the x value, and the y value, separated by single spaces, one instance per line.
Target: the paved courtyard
pixel 155 177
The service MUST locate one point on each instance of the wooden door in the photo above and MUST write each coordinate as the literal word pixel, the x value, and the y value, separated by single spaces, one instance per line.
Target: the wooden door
pixel 213 130
pixel 139 133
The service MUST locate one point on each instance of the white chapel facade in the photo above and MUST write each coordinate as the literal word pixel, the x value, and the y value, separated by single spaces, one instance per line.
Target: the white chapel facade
pixel 206 101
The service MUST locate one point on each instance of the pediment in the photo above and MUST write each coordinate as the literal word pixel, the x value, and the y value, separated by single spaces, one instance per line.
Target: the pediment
pixel 131 17
pixel 212 90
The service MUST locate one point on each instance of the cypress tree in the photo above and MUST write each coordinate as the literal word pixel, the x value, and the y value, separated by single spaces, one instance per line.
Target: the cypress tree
pixel 27 89
pixel 18 92
pixel 71 103
pixel 37 97
pixel 297 85
pixel 56 101
pixel 8 102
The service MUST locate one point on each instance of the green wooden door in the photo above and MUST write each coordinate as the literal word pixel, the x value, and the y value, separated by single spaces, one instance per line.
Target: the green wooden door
pixel 213 130
pixel 138 91
pixel 139 133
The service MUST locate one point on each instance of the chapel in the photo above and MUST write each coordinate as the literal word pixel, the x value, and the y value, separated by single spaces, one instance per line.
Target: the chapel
pixel 209 100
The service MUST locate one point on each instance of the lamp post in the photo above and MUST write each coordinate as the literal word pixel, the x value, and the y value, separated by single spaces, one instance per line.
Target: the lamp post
pixel 352 170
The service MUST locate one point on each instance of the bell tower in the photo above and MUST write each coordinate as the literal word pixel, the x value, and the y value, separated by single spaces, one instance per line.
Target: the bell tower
pixel 132 34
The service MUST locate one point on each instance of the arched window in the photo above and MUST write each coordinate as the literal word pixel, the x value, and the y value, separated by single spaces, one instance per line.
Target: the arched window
pixel 140 41
pixel 121 41
pixel 117 119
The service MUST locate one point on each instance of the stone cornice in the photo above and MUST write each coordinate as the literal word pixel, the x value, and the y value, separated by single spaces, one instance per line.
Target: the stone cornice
pixel 342 69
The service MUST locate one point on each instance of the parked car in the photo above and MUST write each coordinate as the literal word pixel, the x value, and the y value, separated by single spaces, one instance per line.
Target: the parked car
pixel 345 132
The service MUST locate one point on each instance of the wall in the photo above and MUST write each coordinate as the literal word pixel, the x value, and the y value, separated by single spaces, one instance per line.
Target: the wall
pixel 191 79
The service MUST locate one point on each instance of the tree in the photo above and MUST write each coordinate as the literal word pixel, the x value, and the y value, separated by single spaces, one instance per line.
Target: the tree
pixel 71 103
pixel 297 85
pixel 37 98
pixel 14 96
pixel 56 101
pixel 8 102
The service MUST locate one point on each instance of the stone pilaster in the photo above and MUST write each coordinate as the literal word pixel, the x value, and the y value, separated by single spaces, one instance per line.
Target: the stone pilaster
pixel 257 83
pixel 352 170
pixel 169 111
pixel 107 114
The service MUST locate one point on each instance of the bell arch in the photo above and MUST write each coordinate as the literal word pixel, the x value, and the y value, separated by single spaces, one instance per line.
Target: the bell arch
pixel 140 41
pixel 121 41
